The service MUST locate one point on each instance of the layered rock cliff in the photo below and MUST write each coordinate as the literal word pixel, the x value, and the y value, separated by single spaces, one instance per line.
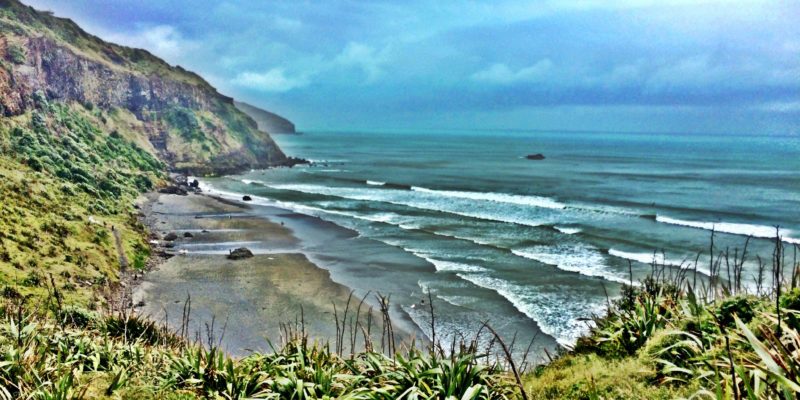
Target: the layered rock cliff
pixel 267 121
pixel 172 113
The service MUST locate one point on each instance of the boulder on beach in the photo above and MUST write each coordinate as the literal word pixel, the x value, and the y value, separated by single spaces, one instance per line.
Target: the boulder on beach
pixel 537 156
pixel 188 234
pixel 240 253
pixel 194 184
pixel 247 198
pixel 171 236
pixel 174 190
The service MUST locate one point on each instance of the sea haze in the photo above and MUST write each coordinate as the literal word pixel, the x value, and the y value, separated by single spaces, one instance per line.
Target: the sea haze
pixel 529 245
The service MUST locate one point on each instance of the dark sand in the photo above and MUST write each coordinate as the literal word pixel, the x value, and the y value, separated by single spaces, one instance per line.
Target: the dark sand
pixel 249 299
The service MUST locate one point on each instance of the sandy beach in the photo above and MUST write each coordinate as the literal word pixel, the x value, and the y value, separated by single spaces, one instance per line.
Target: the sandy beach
pixel 247 300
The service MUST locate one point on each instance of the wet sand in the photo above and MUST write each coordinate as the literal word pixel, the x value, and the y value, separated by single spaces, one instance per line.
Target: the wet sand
pixel 247 300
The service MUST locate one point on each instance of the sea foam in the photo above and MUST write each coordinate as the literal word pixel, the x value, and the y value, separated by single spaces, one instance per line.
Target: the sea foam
pixel 759 231
pixel 557 312
pixel 579 258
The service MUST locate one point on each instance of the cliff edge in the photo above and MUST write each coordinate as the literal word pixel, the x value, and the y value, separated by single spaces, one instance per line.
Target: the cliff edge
pixel 267 121
pixel 172 113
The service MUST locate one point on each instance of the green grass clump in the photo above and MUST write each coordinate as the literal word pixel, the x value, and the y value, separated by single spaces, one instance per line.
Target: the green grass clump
pixel 75 353
pixel 663 340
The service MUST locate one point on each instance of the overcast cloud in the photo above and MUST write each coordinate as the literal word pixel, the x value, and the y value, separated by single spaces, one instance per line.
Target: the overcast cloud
pixel 682 66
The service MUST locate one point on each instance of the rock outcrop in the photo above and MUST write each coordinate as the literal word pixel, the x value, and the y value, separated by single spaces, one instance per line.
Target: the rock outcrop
pixel 177 115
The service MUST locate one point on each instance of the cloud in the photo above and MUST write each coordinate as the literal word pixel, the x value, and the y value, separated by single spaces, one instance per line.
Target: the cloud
pixel 162 40
pixel 781 107
pixel 274 80
pixel 364 57
pixel 286 24
pixel 503 75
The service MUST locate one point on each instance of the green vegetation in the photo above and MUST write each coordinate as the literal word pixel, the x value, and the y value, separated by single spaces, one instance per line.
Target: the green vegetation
pixel 668 339
pixel 65 184
pixel 67 353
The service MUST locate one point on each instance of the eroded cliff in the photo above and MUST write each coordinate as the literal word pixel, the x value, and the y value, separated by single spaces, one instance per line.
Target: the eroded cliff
pixel 172 113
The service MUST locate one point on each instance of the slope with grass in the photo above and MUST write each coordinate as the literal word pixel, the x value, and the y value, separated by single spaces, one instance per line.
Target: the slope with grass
pixel 664 340
pixel 177 115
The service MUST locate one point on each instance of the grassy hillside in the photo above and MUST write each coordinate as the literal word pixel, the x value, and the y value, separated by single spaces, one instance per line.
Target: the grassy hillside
pixel 179 117
pixel 68 178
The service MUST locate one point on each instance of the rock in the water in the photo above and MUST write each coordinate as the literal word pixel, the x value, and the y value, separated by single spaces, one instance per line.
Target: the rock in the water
pixel 195 184
pixel 171 236
pixel 247 198
pixel 187 234
pixel 240 253
pixel 537 156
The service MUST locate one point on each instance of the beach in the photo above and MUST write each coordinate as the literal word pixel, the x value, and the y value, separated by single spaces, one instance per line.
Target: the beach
pixel 243 305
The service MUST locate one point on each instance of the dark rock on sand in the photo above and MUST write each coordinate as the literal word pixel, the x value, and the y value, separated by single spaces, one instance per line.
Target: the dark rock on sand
pixel 171 236
pixel 247 198
pixel 537 156
pixel 173 189
pixel 188 234
pixel 240 253
pixel 195 184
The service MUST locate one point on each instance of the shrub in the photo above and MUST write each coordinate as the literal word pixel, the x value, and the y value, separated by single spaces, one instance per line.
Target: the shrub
pixel 739 306
pixel 17 54
pixel 33 279
pixel 77 316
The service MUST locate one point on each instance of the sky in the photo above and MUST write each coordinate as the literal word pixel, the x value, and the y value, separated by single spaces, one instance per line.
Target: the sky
pixel 683 66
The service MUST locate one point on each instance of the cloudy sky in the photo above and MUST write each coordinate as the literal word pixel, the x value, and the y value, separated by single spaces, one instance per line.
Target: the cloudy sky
pixel 634 65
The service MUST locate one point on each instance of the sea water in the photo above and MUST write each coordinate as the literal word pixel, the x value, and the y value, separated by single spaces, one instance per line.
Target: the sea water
pixel 532 246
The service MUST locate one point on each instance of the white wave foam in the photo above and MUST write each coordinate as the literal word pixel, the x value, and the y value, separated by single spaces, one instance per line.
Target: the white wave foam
pixel 580 258
pixel 449 266
pixel 251 181
pixel 533 201
pixel 556 311
pixel 443 265
pixel 644 258
pixel 430 201
pixel 376 183
pixel 659 258
pixel 759 231
pixel 567 230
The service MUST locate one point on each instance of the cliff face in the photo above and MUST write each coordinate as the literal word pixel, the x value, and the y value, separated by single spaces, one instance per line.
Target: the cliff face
pixel 187 123
pixel 267 121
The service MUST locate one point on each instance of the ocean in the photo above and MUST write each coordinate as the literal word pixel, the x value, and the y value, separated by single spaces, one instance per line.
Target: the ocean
pixel 534 247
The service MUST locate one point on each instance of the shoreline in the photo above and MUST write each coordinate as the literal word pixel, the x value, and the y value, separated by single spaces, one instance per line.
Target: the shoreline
pixel 245 304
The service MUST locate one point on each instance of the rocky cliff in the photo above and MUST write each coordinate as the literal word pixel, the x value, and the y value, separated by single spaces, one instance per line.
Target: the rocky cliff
pixel 172 113
pixel 267 121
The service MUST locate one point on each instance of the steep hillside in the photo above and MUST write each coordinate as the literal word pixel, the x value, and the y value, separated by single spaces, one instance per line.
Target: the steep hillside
pixel 174 114
pixel 86 126
pixel 267 121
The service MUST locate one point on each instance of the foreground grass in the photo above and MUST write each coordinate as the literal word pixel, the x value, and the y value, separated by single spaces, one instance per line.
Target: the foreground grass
pixel 72 353
pixel 661 341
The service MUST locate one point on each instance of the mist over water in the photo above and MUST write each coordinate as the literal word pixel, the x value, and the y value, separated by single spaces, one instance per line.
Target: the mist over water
pixel 530 245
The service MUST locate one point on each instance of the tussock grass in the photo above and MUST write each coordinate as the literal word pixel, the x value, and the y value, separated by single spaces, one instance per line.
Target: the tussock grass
pixel 672 337
pixel 74 353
